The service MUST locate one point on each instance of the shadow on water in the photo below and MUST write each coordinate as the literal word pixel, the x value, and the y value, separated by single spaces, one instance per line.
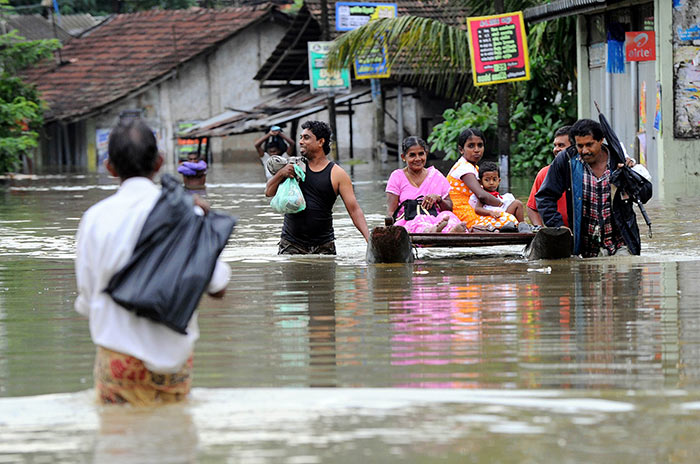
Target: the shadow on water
pixel 473 355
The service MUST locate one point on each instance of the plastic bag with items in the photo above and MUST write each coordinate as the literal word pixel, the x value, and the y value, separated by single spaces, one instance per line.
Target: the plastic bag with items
pixel 173 260
pixel 289 197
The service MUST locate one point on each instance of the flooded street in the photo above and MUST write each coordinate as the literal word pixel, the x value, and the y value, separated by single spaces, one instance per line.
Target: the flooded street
pixel 467 355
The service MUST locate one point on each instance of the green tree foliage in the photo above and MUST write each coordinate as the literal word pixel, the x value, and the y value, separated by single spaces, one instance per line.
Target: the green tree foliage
pixel 20 106
pixel 446 134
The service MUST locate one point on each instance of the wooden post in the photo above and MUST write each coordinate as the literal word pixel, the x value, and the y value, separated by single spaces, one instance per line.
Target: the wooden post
pixel 350 126
pixel 330 101
pixel 380 150
pixel 503 102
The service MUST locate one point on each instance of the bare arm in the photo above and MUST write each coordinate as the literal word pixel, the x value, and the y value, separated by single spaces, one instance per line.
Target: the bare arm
pixel 346 192
pixel 534 217
pixel 392 202
pixel 279 177
pixel 446 203
pixel 481 211
pixel 484 197
pixel 431 199
pixel 290 143
pixel 259 143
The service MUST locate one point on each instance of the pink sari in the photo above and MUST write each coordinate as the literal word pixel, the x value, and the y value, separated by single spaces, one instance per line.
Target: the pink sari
pixel 434 184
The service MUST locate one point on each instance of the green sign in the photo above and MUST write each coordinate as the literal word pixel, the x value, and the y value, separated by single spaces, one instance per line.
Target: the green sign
pixel 323 80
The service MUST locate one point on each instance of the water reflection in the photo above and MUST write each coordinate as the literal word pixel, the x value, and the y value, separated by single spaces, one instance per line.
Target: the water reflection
pixel 309 306
pixel 127 435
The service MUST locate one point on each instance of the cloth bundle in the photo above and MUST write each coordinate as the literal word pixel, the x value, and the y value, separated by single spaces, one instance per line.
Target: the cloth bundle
pixel 191 169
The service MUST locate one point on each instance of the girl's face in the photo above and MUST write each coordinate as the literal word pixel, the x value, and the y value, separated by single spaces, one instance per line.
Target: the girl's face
pixel 473 149
pixel 415 157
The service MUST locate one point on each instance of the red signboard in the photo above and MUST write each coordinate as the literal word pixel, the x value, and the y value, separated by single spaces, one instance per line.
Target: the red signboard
pixel 498 48
pixel 640 46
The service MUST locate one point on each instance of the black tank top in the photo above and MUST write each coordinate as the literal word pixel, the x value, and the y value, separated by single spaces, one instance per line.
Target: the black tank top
pixel 314 225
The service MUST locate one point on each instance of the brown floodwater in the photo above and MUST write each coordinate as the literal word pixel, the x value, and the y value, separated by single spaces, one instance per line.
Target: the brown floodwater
pixel 467 355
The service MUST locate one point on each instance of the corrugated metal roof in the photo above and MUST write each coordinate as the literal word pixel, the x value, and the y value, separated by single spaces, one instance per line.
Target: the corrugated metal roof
pixel 36 27
pixel 560 9
pixel 287 104
pixel 75 24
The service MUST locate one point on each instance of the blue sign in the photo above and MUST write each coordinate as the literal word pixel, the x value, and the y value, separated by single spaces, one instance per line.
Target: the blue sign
pixel 351 15
pixel 372 65
pixel 692 33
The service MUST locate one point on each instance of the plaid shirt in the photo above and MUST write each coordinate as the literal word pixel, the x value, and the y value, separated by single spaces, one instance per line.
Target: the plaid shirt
pixel 596 223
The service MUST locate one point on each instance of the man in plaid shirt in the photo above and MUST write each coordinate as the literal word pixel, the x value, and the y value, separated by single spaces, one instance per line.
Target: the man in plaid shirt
pixel 601 217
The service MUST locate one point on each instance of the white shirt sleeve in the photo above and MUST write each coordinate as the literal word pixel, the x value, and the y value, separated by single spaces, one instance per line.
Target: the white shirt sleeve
pixel 84 276
pixel 220 277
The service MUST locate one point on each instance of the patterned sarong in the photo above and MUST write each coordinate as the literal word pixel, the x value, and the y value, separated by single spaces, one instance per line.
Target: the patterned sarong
pixel 120 378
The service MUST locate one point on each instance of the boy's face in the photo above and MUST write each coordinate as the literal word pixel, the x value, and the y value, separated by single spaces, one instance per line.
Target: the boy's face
pixel 273 151
pixel 490 180
pixel 192 157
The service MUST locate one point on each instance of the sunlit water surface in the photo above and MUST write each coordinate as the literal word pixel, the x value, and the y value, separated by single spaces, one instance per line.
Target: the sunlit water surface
pixel 471 355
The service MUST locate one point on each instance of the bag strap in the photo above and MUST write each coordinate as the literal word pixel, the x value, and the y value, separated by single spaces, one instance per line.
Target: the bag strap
pixel 401 206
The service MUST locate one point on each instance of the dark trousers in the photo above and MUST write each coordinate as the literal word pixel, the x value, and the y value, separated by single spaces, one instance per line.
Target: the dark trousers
pixel 288 248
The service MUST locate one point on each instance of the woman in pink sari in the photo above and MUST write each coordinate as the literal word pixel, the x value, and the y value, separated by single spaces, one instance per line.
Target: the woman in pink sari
pixel 415 181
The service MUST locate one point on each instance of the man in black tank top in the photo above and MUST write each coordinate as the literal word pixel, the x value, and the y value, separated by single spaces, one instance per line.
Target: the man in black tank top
pixel 311 230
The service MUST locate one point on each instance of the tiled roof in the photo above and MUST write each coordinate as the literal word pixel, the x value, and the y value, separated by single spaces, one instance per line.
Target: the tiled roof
pixel 130 51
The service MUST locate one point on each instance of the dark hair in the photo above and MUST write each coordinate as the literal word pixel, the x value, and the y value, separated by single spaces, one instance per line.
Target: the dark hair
pixel 489 166
pixel 565 130
pixel 321 130
pixel 133 150
pixel 584 127
pixel 411 141
pixel 276 142
pixel 466 133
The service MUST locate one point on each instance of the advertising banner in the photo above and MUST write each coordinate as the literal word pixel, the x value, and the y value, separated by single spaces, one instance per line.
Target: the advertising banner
pixel 498 48
pixel 321 78
pixel 351 15
pixel 640 46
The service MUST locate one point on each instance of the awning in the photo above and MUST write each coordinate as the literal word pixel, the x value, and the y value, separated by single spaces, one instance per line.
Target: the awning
pixel 285 105
pixel 561 9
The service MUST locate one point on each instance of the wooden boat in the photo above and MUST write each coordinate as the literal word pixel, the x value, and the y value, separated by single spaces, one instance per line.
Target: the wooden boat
pixel 393 244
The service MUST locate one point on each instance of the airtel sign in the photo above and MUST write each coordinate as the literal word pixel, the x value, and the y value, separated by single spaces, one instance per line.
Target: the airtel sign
pixel 640 46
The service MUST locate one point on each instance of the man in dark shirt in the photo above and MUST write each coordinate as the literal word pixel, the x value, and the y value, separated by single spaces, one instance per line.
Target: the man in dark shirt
pixel 600 216
pixel 311 230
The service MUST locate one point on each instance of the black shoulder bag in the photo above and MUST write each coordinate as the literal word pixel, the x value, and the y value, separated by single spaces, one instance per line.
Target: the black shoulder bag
pixel 412 208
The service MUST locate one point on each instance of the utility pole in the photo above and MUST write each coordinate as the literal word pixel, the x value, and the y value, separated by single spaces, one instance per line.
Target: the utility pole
pixel 503 102
pixel 330 101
